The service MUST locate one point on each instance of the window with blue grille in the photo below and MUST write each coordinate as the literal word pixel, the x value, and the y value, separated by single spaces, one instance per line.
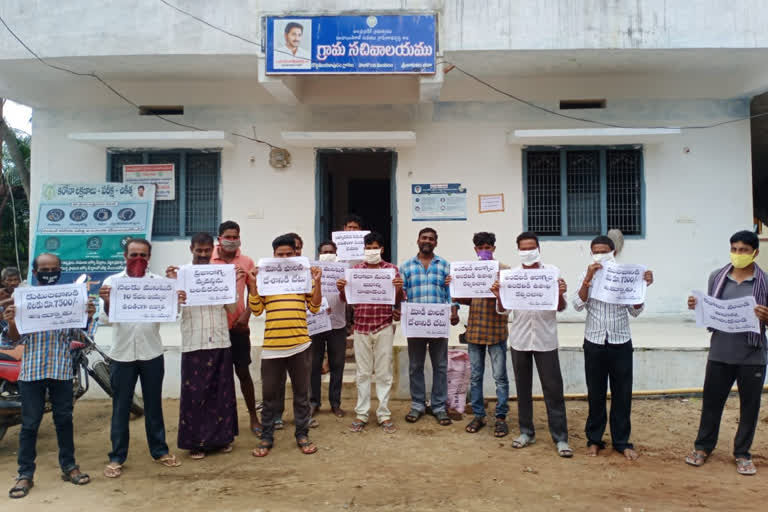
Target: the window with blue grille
pixel 196 206
pixel 583 192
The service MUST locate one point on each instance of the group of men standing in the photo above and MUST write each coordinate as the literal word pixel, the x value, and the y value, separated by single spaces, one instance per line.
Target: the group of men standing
pixel 216 346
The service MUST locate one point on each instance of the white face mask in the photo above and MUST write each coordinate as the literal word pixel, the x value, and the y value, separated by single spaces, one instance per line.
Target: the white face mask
pixel 529 258
pixel 327 257
pixel 606 257
pixel 373 256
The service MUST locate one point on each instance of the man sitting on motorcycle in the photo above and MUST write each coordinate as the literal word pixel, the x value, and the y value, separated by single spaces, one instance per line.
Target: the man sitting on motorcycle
pixel 10 279
pixel 46 368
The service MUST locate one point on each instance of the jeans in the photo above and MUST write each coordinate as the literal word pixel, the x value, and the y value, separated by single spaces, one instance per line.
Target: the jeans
pixel 273 372
pixel 498 354
pixel 548 367
pixel 718 380
pixel 604 363
pixel 438 356
pixel 32 409
pixel 373 355
pixel 336 343
pixel 123 377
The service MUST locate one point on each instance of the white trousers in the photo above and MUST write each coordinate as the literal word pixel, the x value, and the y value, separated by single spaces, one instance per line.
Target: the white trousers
pixel 373 355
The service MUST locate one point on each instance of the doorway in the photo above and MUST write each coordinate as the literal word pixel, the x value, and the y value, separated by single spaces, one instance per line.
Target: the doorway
pixel 360 182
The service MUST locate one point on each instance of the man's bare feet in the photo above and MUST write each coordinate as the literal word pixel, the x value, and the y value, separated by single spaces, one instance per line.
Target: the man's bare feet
pixel 592 450
pixel 630 454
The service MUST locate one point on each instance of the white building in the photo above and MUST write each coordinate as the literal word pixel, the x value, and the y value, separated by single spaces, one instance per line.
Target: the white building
pixel 646 65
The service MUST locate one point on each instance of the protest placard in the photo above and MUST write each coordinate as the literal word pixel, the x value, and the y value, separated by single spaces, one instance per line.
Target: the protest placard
pixel 142 300
pixel 208 285
pixel 370 286
pixel 473 279
pixel 332 272
pixel 734 315
pixel 426 320
pixel 320 321
pixel 534 289
pixel 619 283
pixel 45 308
pixel 279 276
pixel 349 244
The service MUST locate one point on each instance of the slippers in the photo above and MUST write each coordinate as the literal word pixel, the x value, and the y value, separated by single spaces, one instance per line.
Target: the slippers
pixel 745 466
pixel 306 446
pixel 414 416
pixel 17 491
pixel 357 426
pixel 696 459
pixel 168 460
pixel 523 441
pixel 388 426
pixel 262 450
pixel 78 479
pixel 564 450
pixel 113 470
pixel 196 455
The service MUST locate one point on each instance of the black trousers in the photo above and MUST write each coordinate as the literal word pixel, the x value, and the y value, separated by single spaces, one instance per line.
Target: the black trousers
pixel 273 372
pixel 718 381
pixel 335 341
pixel 551 378
pixel 604 364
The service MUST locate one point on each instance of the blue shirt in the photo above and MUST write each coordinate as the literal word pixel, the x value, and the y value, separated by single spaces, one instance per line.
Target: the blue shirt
pixel 426 285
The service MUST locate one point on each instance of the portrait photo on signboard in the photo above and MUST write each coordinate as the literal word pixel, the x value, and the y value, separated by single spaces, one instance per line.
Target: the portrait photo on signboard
pixel 292 45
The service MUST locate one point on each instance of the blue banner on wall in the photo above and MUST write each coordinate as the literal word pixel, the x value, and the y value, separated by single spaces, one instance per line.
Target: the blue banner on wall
pixel 351 44
pixel 438 201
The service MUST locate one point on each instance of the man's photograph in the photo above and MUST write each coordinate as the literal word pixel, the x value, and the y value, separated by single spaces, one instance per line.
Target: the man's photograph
pixel 292 44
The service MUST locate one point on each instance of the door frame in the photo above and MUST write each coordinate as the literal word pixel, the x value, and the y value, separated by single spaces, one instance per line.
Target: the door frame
pixel 322 201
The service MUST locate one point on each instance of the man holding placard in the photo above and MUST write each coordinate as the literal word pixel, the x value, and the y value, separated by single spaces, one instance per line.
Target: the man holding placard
pixel 426 279
pixel 737 355
pixel 487 332
pixel 228 252
pixel 536 294
pixel 334 340
pixel 137 354
pixel 374 287
pixel 285 288
pixel 207 405
pixel 608 353
pixel 46 370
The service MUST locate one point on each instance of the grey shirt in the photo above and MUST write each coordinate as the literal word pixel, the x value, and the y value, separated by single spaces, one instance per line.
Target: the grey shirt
pixel 734 348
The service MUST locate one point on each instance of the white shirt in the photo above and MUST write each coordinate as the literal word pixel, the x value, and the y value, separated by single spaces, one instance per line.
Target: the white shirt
pixel 338 311
pixel 204 328
pixel 605 321
pixel 534 331
pixel 132 341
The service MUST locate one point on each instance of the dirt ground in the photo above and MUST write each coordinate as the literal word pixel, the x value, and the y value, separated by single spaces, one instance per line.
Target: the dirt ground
pixel 421 467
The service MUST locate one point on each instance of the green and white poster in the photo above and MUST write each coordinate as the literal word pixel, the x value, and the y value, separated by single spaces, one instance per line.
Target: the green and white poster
pixel 87 226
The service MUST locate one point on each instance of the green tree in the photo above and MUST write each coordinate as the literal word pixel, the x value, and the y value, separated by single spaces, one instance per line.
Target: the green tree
pixel 14 200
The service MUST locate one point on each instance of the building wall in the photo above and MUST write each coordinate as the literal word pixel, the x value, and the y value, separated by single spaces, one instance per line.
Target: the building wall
pixel 695 199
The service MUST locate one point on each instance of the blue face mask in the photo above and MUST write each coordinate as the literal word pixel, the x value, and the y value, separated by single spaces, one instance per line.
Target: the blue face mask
pixel 485 255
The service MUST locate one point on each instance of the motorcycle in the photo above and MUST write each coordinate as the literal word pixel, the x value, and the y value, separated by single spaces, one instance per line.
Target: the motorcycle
pixel 84 370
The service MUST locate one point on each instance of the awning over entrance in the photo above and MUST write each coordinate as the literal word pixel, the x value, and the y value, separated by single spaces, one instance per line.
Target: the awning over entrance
pixel 176 139
pixel 350 139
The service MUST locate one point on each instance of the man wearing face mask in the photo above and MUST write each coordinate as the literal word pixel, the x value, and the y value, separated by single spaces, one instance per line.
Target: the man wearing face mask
pixel 487 332
pixel 734 357
pixel 374 334
pixel 46 369
pixel 137 353
pixel 334 340
pixel 533 336
pixel 607 357
pixel 228 252
pixel 426 279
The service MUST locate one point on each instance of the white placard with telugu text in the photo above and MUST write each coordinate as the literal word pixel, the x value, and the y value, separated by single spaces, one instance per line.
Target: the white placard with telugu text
pixel 142 300
pixel 45 308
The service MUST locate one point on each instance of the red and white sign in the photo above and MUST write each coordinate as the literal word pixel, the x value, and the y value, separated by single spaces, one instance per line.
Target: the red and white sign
pixel 163 176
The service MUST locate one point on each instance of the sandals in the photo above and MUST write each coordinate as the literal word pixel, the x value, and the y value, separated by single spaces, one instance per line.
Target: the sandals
pixel 414 416
pixel 388 426
pixel 476 424
pixel 523 441
pixel 501 428
pixel 262 450
pixel 357 426
pixel 113 470
pixel 18 491
pixel 306 446
pixel 443 419
pixel 338 411
pixel 278 425
pixel 564 450
pixel 78 479
pixel 168 460
pixel 745 467
pixel 696 459
pixel 313 423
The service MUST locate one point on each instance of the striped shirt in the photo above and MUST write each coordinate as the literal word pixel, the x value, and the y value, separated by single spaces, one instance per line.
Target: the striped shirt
pixel 204 328
pixel 426 285
pixel 285 329
pixel 47 354
pixel 605 322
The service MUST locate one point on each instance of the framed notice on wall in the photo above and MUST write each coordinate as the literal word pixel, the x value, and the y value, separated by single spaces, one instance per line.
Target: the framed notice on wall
pixel 163 176
pixel 488 203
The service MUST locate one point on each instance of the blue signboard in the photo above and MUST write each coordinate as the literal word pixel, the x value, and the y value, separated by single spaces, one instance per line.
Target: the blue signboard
pixel 351 44
pixel 438 201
